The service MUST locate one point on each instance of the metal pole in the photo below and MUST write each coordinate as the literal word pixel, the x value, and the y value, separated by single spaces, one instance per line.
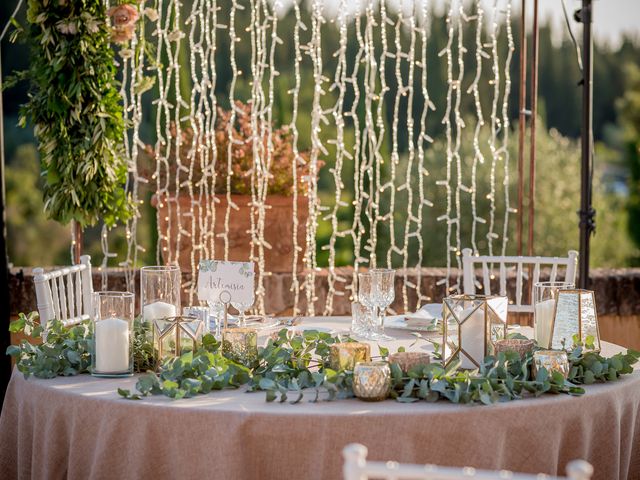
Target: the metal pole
pixel 5 310
pixel 522 121
pixel 534 112
pixel 586 213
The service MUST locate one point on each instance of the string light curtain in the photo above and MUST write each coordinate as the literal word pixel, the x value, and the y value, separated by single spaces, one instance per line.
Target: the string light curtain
pixel 356 98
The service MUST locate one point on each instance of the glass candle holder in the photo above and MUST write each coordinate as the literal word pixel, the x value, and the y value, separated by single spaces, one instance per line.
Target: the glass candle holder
pixel 471 324
pixel 159 292
pixel 344 356
pixel 112 354
pixel 371 381
pixel 175 336
pixel 518 345
pixel 545 295
pixel 241 345
pixel 552 360
pixel 408 360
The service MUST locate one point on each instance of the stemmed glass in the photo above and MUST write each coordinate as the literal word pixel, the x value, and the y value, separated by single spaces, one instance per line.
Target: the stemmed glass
pixel 365 297
pixel 383 293
pixel 242 307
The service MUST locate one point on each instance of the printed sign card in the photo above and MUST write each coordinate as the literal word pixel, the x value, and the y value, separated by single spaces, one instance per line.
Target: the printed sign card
pixel 226 282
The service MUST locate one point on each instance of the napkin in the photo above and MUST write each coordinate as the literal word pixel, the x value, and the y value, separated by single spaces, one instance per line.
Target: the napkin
pixel 427 315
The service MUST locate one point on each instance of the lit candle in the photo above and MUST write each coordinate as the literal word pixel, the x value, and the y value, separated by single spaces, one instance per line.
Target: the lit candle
pixel 543 321
pixel 472 339
pixel 158 310
pixel 112 345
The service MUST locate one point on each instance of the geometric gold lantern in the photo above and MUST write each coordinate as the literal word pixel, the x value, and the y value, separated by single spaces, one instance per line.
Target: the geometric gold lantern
pixel 471 326
pixel 574 313
pixel 174 336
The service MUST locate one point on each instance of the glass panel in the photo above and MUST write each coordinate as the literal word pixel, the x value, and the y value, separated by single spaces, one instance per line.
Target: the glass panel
pixel 589 319
pixel 566 320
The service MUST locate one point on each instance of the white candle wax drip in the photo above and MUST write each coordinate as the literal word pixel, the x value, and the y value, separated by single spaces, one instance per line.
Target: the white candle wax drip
pixel 473 340
pixel 543 321
pixel 157 310
pixel 112 345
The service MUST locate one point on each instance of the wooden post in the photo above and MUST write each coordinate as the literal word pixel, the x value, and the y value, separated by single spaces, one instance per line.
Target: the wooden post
pixel 77 237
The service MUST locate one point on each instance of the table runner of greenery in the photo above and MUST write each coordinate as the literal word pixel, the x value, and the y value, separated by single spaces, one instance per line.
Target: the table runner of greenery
pixel 292 365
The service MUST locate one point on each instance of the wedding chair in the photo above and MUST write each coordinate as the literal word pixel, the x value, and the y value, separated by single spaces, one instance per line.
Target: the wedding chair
pixel 356 467
pixel 521 303
pixel 65 294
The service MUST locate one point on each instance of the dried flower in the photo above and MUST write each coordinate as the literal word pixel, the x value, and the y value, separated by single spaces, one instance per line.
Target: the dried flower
pixel 123 21
pixel 67 28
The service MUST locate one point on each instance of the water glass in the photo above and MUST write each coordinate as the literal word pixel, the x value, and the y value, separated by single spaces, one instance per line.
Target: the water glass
pixel 159 292
pixel 365 297
pixel 242 307
pixel 383 295
pixel 544 305
pixel 112 354
pixel 360 320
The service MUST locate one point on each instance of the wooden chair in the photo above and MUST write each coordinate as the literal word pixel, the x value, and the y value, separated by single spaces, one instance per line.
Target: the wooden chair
pixel 521 303
pixel 356 467
pixel 65 294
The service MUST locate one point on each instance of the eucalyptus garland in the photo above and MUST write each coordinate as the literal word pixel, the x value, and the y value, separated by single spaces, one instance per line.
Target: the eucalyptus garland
pixel 292 365
pixel 76 110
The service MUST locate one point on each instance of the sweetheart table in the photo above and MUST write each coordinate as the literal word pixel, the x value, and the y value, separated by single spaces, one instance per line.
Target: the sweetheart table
pixel 79 428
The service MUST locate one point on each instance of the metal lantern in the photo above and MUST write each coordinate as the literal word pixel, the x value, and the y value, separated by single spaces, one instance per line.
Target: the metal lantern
pixel 175 336
pixel 575 314
pixel 471 326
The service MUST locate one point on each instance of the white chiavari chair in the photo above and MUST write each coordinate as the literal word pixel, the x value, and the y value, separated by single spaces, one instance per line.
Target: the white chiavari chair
pixel 356 467
pixel 502 264
pixel 65 294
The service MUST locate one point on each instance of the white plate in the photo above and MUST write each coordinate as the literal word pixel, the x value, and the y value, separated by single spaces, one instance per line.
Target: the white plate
pixel 397 322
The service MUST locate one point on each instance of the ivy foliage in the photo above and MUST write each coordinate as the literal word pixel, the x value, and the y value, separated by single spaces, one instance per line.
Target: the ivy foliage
pixel 292 365
pixel 76 110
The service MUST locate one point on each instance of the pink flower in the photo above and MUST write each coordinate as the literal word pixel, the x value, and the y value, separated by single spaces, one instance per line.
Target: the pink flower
pixel 123 20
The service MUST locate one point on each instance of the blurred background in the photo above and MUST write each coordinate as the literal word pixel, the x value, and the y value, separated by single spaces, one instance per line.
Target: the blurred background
pixel 34 240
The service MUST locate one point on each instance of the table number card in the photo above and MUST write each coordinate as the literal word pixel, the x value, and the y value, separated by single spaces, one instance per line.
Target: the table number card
pixel 225 282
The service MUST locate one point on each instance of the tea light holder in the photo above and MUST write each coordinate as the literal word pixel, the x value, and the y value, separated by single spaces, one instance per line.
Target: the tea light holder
pixel 471 326
pixel 241 345
pixel 175 336
pixel 575 314
pixel 371 381
pixel 408 360
pixel 552 360
pixel 518 345
pixel 344 356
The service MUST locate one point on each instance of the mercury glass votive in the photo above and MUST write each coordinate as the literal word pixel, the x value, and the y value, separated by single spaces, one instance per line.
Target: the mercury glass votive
pixel 371 381
pixel 407 360
pixel 552 360
pixel 241 345
pixel 518 345
pixel 344 356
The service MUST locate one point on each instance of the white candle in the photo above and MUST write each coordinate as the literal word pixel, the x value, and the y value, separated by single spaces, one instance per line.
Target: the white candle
pixel 112 345
pixel 543 321
pixel 473 339
pixel 157 310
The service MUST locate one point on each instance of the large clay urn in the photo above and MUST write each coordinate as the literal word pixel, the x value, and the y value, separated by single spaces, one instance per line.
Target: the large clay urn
pixel 278 229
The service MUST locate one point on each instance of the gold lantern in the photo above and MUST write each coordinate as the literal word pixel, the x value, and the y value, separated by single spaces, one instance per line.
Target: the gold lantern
pixel 471 326
pixel 574 314
pixel 174 336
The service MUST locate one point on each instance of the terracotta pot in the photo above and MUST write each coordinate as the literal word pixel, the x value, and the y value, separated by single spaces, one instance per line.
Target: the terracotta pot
pixel 278 231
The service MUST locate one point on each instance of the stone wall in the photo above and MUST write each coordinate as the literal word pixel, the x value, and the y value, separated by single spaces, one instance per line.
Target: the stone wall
pixel 617 290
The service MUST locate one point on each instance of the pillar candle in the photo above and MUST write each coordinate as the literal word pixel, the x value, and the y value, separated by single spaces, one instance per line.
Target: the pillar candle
pixel 157 310
pixel 473 338
pixel 112 346
pixel 543 321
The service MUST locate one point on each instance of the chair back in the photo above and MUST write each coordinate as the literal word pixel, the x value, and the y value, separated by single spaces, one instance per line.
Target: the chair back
pixel 522 265
pixel 66 293
pixel 356 467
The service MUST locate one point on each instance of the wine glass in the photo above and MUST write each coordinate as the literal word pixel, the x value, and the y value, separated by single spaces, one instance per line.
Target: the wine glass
pixel 242 307
pixel 383 294
pixel 365 297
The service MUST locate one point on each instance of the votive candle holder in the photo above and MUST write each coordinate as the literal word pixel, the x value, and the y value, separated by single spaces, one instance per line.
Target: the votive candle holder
pixel 552 360
pixel 372 381
pixel 408 360
pixel 344 356
pixel 519 345
pixel 241 345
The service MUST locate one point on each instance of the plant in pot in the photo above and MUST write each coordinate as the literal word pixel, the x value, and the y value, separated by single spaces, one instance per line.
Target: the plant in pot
pixel 76 110
pixel 193 175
